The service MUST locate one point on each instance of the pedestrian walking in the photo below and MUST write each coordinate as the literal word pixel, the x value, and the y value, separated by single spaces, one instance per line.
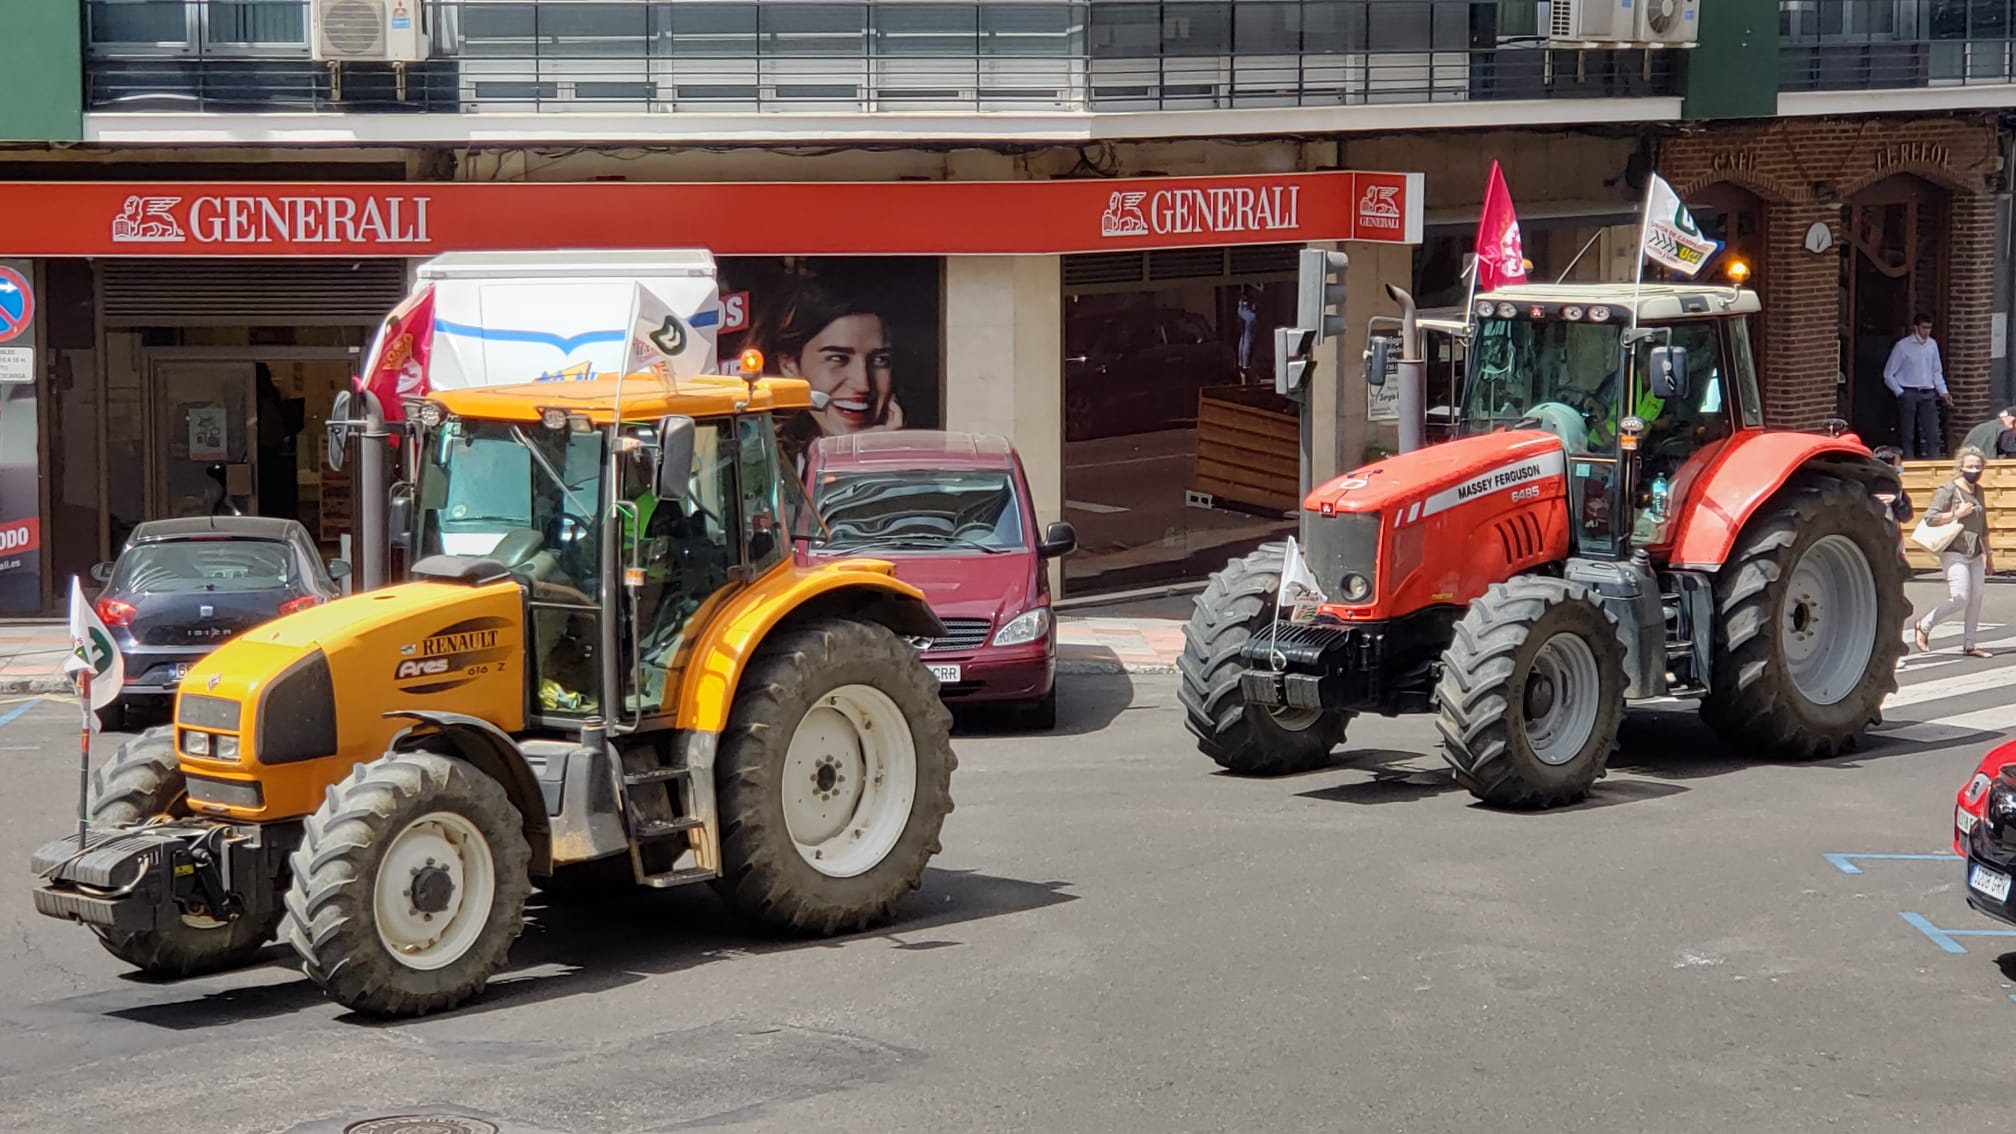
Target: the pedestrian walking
pixel 1967 559
pixel 1915 375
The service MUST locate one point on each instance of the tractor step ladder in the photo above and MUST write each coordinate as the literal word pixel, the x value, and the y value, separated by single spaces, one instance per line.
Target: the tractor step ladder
pixel 648 833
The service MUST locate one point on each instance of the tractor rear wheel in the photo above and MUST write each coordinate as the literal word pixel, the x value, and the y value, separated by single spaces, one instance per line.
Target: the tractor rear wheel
pixel 1532 693
pixel 1249 740
pixel 1808 609
pixel 409 885
pixel 834 778
pixel 143 783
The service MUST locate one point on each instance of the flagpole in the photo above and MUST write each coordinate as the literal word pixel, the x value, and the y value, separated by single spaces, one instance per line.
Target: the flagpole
pixel 1644 226
pixel 84 758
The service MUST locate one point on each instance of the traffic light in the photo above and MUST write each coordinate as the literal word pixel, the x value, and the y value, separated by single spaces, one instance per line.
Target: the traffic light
pixel 1294 359
pixel 1319 292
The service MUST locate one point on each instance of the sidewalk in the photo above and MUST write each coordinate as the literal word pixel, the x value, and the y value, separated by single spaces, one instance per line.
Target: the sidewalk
pixel 1140 637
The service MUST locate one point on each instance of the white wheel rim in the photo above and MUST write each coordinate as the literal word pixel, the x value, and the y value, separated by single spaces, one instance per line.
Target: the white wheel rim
pixel 1561 699
pixel 1828 624
pixel 850 776
pixel 434 889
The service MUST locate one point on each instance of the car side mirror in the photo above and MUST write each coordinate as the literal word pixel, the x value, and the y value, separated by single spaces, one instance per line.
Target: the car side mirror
pixel 339 569
pixel 1378 359
pixel 675 458
pixel 399 518
pixel 1059 538
pixel 102 572
pixel 1669 372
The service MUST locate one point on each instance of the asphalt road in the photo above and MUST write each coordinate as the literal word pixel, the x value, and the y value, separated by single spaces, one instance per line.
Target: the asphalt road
pixel 1118 939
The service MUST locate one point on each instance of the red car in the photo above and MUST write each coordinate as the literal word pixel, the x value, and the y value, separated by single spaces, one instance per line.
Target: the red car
pixel 953 512
pixel 1984 830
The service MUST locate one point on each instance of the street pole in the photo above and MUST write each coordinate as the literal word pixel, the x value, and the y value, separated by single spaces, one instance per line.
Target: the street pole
pixel 84 754
pixel 373 507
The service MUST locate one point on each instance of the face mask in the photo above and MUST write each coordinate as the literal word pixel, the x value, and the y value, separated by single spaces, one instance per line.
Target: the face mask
pixel 1973 476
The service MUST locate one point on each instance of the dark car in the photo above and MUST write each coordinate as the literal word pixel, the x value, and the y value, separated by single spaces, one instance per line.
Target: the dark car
pixel 181 588
pixel 952 511
pixel 1140 369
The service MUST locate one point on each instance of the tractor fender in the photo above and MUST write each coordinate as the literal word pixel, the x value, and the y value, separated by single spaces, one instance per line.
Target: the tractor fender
pixel 492 751
pixel 865 589
pixel 1751 468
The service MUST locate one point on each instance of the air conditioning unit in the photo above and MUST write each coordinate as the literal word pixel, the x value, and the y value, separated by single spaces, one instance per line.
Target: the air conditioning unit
pixel 1671 22
pixel 369 30
pixel 1593 21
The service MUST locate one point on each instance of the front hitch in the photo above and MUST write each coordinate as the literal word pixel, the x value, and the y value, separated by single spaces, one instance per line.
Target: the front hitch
pixel 133 879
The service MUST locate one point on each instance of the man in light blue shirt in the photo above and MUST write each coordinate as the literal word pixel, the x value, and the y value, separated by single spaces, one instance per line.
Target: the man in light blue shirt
pixel 1916 377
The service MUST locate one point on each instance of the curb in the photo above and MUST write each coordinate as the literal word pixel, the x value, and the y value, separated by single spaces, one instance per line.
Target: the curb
pixel 1090 668
pixel 34 686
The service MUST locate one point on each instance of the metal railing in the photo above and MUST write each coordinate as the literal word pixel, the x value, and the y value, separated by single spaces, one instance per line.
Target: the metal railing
pixel 1830 45
pixel 634 56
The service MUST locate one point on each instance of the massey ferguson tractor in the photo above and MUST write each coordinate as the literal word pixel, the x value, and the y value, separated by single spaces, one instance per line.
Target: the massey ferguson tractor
pixel 1612 522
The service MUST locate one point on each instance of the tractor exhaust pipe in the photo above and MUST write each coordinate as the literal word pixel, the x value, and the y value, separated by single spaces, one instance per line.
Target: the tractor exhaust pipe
pixel 1412 374
pixel 372 491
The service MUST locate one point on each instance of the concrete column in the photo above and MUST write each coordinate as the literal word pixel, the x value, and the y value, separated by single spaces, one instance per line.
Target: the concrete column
pixel 1004 363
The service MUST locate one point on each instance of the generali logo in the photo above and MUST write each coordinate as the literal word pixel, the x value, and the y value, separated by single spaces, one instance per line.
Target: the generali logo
pixel 320 219
pixel 1187 212
pixel 1380 208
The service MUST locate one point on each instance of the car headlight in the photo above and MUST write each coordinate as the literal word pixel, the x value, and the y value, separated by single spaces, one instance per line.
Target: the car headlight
pixel 1028 626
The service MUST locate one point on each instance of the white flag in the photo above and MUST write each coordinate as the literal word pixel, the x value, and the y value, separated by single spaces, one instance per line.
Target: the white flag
pixel 1300 592
pixel 662 342
pixel 91 648
pixel 1670 235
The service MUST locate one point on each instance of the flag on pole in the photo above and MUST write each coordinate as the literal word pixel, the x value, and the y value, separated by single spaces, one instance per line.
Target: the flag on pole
pixel 660 341
pixel 1670 237
pixel 1300 592
pixel 396 366
pixel 91 649
pixel 1501 255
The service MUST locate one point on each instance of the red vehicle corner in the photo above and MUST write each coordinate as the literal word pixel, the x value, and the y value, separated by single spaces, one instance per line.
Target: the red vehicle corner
pixel 1984 831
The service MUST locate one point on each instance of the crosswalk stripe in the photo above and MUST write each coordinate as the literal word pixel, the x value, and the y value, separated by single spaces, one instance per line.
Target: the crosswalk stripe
pixel 1997 719
pixel 1941 687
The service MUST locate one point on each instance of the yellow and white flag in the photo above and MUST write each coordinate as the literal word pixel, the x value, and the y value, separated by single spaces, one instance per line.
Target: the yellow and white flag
pixel 91 648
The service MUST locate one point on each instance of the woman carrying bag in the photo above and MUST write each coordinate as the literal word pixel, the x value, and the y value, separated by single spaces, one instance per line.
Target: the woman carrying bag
pixel 1956 526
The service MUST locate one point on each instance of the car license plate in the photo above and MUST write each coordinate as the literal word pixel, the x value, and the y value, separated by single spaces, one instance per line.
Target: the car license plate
pixel 179 670
pixel 945 673
pixel 1993 883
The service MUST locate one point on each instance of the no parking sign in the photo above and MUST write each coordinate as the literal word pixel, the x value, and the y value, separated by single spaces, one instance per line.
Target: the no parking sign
pixel 17 305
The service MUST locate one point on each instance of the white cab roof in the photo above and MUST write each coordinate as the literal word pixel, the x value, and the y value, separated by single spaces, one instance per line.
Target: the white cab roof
pixel 1656 302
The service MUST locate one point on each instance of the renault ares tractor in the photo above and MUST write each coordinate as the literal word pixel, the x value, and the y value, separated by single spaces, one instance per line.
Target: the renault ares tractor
pixel 1611 522
pixel 602 653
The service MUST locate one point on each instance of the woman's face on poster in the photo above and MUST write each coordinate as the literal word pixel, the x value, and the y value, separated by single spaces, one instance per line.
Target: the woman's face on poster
pixel 848 361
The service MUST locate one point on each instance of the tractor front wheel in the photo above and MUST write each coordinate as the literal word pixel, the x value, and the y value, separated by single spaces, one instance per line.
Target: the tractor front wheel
pixel 1249 740
pixel 144 783
pixel 409 885
pixel 1808 610
pixel 834 778
pixel 1532 693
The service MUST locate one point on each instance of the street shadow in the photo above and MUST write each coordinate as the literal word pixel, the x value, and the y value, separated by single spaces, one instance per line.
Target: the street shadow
pixel 1086 703
pixel 588 945
pixel 1389 782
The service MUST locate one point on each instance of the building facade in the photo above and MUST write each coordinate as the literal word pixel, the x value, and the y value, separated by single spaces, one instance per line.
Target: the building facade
pixel 1076 219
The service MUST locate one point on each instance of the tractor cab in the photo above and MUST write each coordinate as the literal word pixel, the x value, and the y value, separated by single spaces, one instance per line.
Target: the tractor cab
pixel 1568 360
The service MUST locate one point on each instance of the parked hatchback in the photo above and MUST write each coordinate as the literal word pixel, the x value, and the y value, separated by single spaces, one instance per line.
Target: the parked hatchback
pixel 181 588
pixel 953 512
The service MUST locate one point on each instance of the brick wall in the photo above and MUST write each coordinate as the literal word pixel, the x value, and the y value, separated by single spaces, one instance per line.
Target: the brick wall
pixel 1804 170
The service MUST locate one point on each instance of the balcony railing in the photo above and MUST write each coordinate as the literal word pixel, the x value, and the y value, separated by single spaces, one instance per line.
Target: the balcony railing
pixel 1832 45
pixel 737 56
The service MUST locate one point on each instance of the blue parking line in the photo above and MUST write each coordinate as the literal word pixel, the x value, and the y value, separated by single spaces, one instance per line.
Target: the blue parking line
pixel 11 716
pixel 1841 861
pixel 1944 938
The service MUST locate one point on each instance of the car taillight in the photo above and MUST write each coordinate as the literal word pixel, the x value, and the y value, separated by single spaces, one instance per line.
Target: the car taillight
pixel 112 612
pixel 302 603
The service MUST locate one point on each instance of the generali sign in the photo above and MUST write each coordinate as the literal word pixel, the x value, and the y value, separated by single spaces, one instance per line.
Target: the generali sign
pixel 732 219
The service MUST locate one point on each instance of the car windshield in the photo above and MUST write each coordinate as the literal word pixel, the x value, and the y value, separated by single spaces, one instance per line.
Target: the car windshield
pixel 1563 374
pixel 211 565
pixel 921 508
pixel 523 494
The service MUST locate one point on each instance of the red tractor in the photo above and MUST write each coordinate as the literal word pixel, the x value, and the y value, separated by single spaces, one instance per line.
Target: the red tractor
pixel 1611 522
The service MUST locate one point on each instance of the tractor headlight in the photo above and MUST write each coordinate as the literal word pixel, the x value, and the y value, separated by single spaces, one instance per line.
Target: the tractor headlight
pixel 1028 626
pixel 1357 587
pixel 226 747
pixel 195 744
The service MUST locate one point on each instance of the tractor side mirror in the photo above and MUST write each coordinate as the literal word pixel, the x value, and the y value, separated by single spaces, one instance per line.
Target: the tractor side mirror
pixel 1059 538
pixel 1669 372
pixel 102 572
pixel 675 458
pixel 338 428
pixel 399 518
pixel 339 569
pixel 1378 359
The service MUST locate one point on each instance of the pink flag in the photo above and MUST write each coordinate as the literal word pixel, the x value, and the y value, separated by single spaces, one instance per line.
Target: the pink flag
pixel 397 367
pixel 1501 258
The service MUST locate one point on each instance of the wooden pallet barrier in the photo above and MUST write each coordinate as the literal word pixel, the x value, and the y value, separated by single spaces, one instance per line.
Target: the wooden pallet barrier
pixel 1248 448
pixel 1998 485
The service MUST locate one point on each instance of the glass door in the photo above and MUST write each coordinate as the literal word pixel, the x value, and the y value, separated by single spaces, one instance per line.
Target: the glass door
pixel 205 455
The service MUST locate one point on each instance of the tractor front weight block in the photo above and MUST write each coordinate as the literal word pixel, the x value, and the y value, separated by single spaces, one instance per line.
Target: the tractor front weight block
pixel 1357 667
pixel 133 879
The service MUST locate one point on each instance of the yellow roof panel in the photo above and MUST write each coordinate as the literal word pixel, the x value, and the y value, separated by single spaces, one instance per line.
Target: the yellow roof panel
pixel 645 397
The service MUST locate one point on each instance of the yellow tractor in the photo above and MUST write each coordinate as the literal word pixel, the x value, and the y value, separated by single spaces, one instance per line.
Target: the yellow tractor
pixel 602 654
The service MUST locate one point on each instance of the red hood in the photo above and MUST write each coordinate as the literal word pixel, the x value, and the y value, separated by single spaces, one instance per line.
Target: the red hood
pixel 957 585
pixel 1425 472
pixel 1976 808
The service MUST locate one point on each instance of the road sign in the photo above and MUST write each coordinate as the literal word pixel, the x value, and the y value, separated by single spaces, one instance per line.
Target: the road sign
pixel 17 305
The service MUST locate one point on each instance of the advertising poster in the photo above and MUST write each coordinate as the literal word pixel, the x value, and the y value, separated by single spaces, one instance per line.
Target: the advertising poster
pixel 20 455
pixel 864 330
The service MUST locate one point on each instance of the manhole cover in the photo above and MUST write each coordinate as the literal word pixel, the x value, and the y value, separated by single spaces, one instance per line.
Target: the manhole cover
pixel 421 1124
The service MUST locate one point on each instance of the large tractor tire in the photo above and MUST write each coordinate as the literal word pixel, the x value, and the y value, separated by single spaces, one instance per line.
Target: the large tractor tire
pixel 1249 740
pixel 833 779
pixel 409 885
pixel 1809 610
pixel 1532 693
pixel 144 783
